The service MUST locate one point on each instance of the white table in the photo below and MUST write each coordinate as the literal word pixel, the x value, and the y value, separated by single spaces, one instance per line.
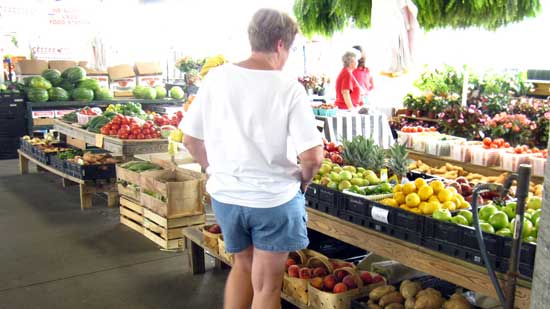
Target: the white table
pixel 348 125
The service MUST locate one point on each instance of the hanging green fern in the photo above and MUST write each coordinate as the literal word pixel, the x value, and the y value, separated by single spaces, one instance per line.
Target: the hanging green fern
pixel 325 17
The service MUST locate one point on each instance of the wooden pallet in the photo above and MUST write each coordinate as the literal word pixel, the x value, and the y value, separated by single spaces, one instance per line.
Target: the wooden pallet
pixel 167 233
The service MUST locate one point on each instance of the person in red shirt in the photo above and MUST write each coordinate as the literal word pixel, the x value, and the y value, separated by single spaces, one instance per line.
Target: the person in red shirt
pixel 362 75
pixel 348 90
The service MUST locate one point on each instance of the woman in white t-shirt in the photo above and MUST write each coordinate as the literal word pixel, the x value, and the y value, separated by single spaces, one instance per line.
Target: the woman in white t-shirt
pixel 246 127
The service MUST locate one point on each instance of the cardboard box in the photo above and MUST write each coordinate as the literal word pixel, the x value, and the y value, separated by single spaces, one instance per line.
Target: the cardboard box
pixel 61 65
pixel 122 79
pixel 43 118
pixel 148 74
pixel 101 76
pixel 30 67
pixel 62 112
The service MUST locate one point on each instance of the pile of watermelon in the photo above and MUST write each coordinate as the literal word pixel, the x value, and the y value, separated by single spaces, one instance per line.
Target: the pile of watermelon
pixel 72 84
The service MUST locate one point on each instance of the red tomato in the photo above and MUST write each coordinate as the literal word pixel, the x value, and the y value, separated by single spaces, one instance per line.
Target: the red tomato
pixel 115 120
pixel 131 136
pixel 494 146
pixel 104 131
pixel 107 126
pixel 135 131
pixel 518 150
pixel 145 130
pixel 125 128
pixel 146 125
pixel 420 129
pixel 124 121
pixel 140 136
pixel 115 127
pixel 535 150
pixel 487 141
pixel 148 136
pixel 506 145
pixel 113 132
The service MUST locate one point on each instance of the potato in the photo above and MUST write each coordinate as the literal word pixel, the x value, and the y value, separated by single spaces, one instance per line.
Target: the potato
pixel 428 291
pixel 380 291
pixel 390 298
pixel 410 288
pixel 394 306
pixel 429 299
pixel 457 301
pixel 409 303
pixel 374 306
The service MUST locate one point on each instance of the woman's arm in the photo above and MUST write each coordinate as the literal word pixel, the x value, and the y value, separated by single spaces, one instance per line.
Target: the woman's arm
pixel 197 150
pixel 347 98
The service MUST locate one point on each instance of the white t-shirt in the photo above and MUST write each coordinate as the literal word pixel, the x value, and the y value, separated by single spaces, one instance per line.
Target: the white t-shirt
pixel 254 123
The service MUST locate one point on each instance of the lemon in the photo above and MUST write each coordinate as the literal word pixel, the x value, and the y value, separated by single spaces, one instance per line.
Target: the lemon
pixel 437 186
pixel 422 204
pixel 398 188
pixel 464 205
pixel 445 195
pixel 403 206
pixel 409 187
pixel 425 192
pixel 399 197
pixel 420 182
pixel 430 208
pixel 415 210
pixel 452 189
pixel 412 200
pixel 390 202
pixel 449 205
pixel 433 198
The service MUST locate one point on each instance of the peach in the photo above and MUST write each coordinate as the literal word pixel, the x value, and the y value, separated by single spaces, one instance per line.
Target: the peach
pixel 290 262
pixel 214 229
pixel 319 272
pixel 305 273
pixel 340 288
pixel 317 283
pixel 366 277
pixel 335 265
pixel 340 274
pixel 350 282
pixel 329 282
pixel 294 271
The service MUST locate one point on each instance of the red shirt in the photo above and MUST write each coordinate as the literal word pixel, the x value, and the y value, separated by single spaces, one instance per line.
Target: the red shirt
pixel 346 81
pixel 363 77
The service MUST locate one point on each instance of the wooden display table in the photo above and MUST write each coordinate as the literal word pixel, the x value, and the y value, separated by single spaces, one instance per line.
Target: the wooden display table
pixel 196 250
pixel 453 270
pixel 436 161
pixel 125 148
pixel 87 187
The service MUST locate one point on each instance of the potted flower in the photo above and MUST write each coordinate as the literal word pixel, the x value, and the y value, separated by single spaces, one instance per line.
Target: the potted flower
pixel 515 128
pixel 468 122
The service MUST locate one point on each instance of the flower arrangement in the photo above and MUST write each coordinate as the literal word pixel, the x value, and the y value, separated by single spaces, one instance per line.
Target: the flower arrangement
pixel 316 83
pixel 515 128
pixel 468 122
pixel 538 110
pixel 188 64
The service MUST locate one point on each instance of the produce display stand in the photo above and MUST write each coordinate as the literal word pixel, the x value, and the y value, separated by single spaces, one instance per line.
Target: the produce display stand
pixel 125 148
pixel 87 187
pixel 196 251
pixel 55 105
pixel 450 269
pixel 347 125
pixel 484 170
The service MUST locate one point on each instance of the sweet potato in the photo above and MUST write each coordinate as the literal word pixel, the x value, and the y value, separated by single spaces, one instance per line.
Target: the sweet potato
pixel 409 303
pixel 390 298
pixel 380 291
pixel 410 288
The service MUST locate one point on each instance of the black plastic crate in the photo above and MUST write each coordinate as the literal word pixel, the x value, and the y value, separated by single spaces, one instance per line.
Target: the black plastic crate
pixel 58 164
pixel 328 195
pixel 528 251
pixel 13 127
pixel 525 270
pixel 26 147
pixel 312 192
pixel 412 175
pixel 396 231
pixel 7 98
pixel 360 220
pixel 90 172
pixel 397 217
pixel 356 205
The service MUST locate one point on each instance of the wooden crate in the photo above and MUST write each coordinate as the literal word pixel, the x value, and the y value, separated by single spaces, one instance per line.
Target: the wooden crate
pixel 181 190
pixel 128 176
pixel 129 192
pixel 167 233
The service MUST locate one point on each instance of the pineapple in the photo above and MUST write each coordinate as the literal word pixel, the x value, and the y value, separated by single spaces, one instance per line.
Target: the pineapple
pixel 363 152
pixel 398 161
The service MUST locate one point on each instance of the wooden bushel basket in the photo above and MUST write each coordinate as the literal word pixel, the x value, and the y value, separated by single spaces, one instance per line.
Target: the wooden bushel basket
pixel 211 239
pixel 328 300
pixel 297 288
pixel 181 192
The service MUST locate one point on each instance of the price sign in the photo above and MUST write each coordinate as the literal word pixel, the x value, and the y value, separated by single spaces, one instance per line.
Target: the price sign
pixel 380 214
pixel 99 140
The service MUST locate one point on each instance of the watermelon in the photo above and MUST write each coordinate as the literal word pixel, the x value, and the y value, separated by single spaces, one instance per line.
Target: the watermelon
pixel 103 94
pixel 58 94
pixel 176 93
pixel 139 92
pixel 89 83
pixel 51 75
pixel 149 93
pixel 40 82
pixel 37 95
pixel 161 92
pixel 74 74
pixel 67 85
pixel 27 80
pixel 82 94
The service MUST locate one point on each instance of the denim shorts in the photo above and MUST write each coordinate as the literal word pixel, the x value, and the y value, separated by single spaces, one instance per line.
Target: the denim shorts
pixel 278 229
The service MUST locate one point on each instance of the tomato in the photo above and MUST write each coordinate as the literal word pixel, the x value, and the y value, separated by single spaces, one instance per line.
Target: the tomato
pixel 157 135
pixel 487 141
pixel 125 128
pixel 494 146
pixel 518 150
pixel 147 136
pixel 115 126
pixel 124 121
pixel 535 150
pixel 145 131
pixel 146 125
pixel 113 132
pixel 140 136
pixel 131 136
pixel 506 145
pixel 115 121
pixel 104 131
pixel 107 126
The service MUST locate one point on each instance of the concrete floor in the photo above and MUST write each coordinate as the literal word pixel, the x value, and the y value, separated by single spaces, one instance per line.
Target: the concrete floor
pixel 53 255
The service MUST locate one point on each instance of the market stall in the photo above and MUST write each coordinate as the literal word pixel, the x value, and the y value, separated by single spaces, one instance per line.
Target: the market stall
pixel 346 126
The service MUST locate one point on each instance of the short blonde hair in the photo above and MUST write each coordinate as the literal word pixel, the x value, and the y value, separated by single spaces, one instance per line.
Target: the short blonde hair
pixel 348 57
pixel 267 27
